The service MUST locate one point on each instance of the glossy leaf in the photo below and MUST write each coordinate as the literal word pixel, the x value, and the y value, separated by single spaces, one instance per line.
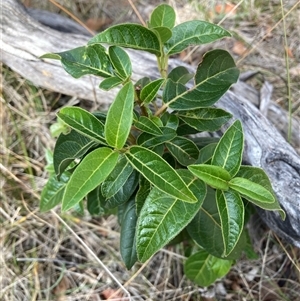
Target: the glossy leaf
pixel 149 92
pixel 127 235
pixel 170 120
pixel 90 59
pixel 83 122
pixel 251 191
pixel 258 176
pixel 117 178
pixel 95 202
pixel 194 33
pixel 205 119
pixel 184 150
pixel 205 228
pixel 204 269
pixel 150 141
pixel 125 192
pixel 163 15
pixel 229 151
pixel 181 75
pixel 146 125
pixel 133 36
pixel 68 148
pixel 163 216
pixel 90 173
pixel 110 83
pixel 215 176
pixel 142 193
pixel 53 192
pixel 158 172
pixel 119 117
pixel 232 212
pixel 214 76
pixel 121 61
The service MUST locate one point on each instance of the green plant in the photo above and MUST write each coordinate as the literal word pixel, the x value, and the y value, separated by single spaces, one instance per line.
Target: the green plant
pixel 143 158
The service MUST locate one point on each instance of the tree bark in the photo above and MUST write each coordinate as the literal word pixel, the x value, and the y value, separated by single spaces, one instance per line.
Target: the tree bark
pixel 24 40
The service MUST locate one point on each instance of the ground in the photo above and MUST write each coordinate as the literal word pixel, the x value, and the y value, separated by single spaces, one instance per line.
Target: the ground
pixel 51 256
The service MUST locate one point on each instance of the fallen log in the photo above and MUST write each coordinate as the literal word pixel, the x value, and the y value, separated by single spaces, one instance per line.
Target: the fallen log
pixel 25 39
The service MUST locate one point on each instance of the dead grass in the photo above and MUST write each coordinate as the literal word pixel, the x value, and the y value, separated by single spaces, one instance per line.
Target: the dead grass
pixel 41 259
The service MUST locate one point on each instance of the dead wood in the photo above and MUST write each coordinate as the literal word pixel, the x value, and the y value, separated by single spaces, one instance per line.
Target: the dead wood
pixel 24 40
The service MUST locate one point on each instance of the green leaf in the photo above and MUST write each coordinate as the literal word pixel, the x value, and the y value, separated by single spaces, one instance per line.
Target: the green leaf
pixel 163 33
pixel 117 178
pixel 204 269
pixel 163 217
pixel 127 235
pixel 119 117
pixel 181 75
pixel 194 33
pixel 231 210
pixel 90 173
pixel 149 92
pixel 146 125
pixel 125 192
pixel 142 193
pixel 206 153
pixel 95 202
pixel 229 151
pixel 163 15
pixel 90 59
pixel 214 76
pixel 68 148
pixel 205 228
pixel 53 191
pixel 258 176
pixel 150 141
pixel 205 119
pixel 251 191
pixel 110 83
pixel 215 176
pixel 170 120
pixel 121 61
pixel 158 172
pixel 133 36
pixel 83 122
pixel 184 150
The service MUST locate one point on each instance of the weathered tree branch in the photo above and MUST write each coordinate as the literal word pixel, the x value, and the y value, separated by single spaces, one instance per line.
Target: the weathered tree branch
pixel 25 39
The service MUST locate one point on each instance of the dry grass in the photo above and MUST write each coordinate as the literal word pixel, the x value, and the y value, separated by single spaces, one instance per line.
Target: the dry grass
pixel 42 259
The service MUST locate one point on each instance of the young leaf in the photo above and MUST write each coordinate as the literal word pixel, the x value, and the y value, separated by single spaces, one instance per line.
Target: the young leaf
pixel 119 117
pixel 117 178
pixel 121 61
pixel 127 235
pixel 158 172
pixel 83 122
pixel 163 15
pixel 232 212
pixel 68 148
pixel 258 176
pixel 53 192
pixel 214 76
pixel 109 83
pixel 163 217
pixel 229 151
pixel 251 191
pixel 214 176
pixel 204 269
pixel 184 150
pixel 133 36
pixel 90 173
pixel 150 141
pixel 90 59
pixel 149 92
pixel 205 119
pixel 146 125
pixel 163 33
pixel 193 33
